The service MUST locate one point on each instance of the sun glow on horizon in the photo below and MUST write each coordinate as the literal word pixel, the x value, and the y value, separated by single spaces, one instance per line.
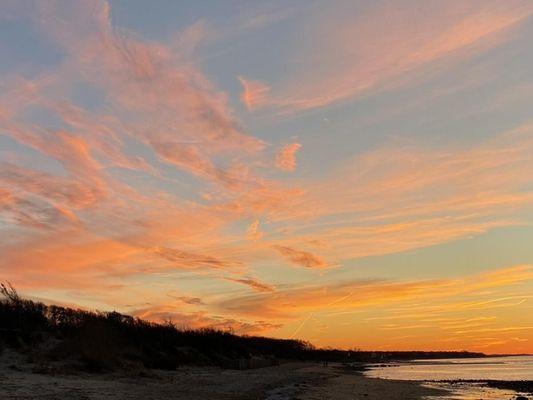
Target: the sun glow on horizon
pixel 352 173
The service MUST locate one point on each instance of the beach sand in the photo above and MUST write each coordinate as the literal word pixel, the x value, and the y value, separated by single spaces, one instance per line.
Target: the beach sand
pixel 355 386
pixel 303 381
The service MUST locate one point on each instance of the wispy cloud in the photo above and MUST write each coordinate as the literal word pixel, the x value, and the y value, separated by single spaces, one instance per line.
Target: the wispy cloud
pixel 148 181
pixel 253 283
pixel 254 93
pixel 301 257
pixel 384 45
pixel 184 259
pixel 286 157
pixel 154 103
pixel 291 303
pixel 254 232
pixel 392 200
pixel 194 301
pixel 193 320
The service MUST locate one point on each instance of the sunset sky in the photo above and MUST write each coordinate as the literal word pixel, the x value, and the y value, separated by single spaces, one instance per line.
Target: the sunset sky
pixel 352 173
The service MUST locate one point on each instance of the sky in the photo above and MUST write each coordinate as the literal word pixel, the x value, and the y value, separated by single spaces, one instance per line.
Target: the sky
pixel 357 174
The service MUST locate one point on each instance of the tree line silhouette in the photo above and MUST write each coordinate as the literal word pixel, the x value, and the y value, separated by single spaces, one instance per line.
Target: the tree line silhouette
pixel 109 340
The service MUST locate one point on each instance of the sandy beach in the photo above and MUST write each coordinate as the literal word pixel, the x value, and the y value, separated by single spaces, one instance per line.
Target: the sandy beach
pixel 289 381
pixel 343 385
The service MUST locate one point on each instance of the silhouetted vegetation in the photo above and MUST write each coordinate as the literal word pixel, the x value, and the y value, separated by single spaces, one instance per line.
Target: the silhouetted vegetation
pixel 109 340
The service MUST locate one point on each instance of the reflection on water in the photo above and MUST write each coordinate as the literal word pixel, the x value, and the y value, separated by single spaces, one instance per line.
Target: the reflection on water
pixel 471 391
pixel 497 368
pixel 494 368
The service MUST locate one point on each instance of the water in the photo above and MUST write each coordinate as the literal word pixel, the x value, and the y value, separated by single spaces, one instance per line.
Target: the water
pixel 494 368
pixel 463 391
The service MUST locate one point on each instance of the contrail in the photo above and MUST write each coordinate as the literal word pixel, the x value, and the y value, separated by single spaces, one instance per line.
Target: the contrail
pixel 301 325
pixel 311 314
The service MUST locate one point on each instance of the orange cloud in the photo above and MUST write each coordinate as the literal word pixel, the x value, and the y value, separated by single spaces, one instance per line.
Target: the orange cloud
pixel 28 213
pixel 204 320
pixel 348 296
pixel 156 99
pixel 301 258
pixel 190 158
pixel 286 157
pixel 392 200
pixel 253 283
pixel 253 232
pixel 185 260
pixel 159 105
pixel 161 181
pixel 194 301
pixel 58 190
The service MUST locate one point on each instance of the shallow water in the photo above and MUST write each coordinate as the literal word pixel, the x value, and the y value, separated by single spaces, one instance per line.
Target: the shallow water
pixel 494 368
pixel 470 391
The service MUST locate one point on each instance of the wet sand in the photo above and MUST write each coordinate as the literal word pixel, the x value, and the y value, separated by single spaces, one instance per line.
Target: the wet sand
pixel 483 389
pixel 356 386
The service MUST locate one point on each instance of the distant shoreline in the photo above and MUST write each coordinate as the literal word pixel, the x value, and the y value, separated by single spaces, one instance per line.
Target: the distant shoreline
pixel 49 351
pixel 107 341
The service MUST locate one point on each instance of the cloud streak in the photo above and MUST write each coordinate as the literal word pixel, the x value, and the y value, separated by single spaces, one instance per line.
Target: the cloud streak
pixel 392 200
pixel 343 296
pixel 254 284
pixel 414 35
pixel 301 257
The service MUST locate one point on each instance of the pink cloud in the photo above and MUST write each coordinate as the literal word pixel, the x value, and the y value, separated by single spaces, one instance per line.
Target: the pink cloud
pixel 254 93
pixel 392 200
pixel 31 213
pixel 204 320
pixel 286 157
pixel 109 212
pixel 355 51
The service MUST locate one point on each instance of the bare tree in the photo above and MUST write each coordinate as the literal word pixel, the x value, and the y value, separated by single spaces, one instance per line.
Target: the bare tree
pixel 8 291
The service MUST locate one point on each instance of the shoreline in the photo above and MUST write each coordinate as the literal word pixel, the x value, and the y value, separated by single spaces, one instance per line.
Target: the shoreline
pixel 519 386
pixel 291 380
pixel 22 380
pixel 348 384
